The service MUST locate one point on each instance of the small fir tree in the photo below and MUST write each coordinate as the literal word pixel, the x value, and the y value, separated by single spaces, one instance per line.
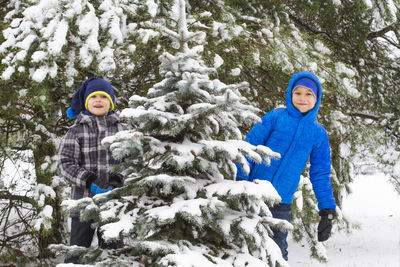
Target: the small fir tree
pixel 180 205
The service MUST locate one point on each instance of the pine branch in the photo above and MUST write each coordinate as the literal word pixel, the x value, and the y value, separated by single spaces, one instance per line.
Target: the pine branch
pixel 14 237
pixel 365 116
pixel 308 28
pixel 309 234
pixel 8 196
pixel 382 32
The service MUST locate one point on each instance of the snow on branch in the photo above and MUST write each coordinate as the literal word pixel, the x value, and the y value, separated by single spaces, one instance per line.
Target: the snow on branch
pixel 233 150
pixel 183 35
pixel 259 189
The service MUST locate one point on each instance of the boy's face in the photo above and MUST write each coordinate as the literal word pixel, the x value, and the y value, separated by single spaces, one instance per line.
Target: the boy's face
pixel 303 99
pixel 99 105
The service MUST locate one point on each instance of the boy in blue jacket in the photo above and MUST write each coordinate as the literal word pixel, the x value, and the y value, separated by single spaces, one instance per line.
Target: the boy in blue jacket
pixel 83 161
pixel 295 133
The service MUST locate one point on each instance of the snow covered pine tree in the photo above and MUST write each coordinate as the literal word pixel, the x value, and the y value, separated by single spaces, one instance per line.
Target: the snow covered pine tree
pixel 179 205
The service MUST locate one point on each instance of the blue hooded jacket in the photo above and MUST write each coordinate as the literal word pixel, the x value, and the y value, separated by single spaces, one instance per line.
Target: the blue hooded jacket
pixel 297 138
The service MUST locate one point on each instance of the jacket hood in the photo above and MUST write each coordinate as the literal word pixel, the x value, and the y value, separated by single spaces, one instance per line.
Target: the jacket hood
pixel 294 112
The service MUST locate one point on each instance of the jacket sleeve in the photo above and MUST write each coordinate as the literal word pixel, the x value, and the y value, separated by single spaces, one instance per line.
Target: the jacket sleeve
pixel 68 164
pixel 258 135
pixel 320 171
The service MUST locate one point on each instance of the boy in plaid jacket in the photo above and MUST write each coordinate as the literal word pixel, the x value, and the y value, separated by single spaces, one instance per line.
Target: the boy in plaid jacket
pixel 83 161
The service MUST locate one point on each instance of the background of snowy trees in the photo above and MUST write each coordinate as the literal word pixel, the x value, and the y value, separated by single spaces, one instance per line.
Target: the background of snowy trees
pixel 49 47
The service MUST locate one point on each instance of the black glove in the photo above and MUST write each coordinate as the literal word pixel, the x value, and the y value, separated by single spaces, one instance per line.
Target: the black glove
pixel 325 224
pixel 115 180
pixel 90 178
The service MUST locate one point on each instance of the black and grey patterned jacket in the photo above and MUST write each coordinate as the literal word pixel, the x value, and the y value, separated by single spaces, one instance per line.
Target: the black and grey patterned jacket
pixel 81 152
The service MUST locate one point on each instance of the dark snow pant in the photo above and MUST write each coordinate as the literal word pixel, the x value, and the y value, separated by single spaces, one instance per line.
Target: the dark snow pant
pixel 281 211
pixel 82 235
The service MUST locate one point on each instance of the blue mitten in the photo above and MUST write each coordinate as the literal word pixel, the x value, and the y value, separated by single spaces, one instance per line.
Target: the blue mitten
pixel 97 190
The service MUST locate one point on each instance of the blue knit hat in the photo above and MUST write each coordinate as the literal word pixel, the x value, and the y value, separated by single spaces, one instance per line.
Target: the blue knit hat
pixel 89 88
pixel 309 83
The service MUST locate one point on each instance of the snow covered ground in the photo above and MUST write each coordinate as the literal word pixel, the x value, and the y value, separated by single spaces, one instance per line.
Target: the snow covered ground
pixel 376 207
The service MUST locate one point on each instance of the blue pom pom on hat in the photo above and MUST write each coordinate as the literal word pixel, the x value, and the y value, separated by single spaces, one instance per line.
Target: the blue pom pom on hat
pixel 309 83
pixel 89 88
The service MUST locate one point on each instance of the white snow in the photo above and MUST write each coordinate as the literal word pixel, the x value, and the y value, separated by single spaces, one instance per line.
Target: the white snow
pixel 59 39
pixel 368 3
pixel 113 230
pixel 20 55
pixel 26 43
pixel 374 205
pixel 395 51
pixel 44 219
pixel 392 9
pixel 218 61
pixel 20 175
pixel 342 68
pixel 187 259
pixel 235 72
pixel 40 74
pixel 152 7
pixel 259 189
pixel 107 60
pixel 256 58
pixel 38 56
pixel 191 207
pixel 147 34
pixel 7 73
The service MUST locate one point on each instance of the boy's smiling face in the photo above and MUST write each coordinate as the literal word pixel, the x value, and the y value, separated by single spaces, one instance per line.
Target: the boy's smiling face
pixel 303 99
pixel 98 105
